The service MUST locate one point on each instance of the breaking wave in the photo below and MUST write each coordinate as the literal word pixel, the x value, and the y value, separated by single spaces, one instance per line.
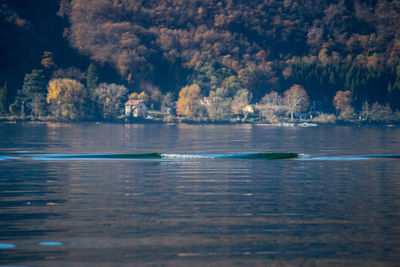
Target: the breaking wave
pixel 266 156
pixel 271 156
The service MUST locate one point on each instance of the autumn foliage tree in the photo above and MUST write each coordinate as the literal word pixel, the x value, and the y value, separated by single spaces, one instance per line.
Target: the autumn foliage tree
pixel 342 102
pixel 67 98
pixel 48 61
pixel 141 96
pixel 324 45
pixel 109 98
pixel 188 101
pixel 295 99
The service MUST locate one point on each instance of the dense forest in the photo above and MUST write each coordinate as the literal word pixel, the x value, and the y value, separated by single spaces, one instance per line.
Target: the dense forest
pixel 223 47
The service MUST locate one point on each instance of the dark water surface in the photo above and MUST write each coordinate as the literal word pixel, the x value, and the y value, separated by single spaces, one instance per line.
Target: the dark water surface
pixel 330 207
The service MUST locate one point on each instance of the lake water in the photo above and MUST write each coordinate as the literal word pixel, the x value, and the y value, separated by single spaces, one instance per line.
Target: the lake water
pixel 330 206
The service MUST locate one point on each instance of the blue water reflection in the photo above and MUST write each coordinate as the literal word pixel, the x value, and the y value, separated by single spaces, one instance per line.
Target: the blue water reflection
pixel 324 209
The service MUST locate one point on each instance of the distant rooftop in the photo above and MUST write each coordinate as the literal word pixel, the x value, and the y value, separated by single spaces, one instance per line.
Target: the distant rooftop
pixel 134 102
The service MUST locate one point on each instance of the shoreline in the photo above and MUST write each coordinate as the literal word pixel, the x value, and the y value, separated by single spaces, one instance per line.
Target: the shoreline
pixel 298 123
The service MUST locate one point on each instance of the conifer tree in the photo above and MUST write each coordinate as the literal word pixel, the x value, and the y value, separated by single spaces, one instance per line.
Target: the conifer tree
pixel 92 78
pixel 4 99
pixel 33 88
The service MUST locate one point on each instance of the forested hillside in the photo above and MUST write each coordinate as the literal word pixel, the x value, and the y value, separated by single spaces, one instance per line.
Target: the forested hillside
pixel 259 45
pixel 223 46
pixel 27 29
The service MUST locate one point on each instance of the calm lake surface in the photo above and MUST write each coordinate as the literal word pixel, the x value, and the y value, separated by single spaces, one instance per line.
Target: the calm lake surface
pixel 330 207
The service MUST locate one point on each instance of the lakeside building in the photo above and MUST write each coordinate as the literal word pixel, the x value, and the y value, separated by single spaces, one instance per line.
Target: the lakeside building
pixel 136 108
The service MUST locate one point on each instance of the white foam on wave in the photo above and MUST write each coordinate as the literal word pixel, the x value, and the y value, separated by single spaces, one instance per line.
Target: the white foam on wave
pixel 303 156
pixel 184 156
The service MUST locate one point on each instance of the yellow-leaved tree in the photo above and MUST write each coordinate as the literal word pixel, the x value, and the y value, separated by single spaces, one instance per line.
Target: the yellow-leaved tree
pixel 67 98
pixel 188 102
pixel 142 96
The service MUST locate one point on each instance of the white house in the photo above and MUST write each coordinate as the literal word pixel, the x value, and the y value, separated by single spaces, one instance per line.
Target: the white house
pixel 135 108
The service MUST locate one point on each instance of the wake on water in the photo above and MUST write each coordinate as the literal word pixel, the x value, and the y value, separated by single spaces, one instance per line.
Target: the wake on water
pixel 170 156
pixel 265 156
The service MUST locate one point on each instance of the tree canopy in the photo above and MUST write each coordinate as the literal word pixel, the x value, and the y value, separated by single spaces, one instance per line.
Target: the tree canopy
pixel 296 99
pixel 67 98
pixel 188 102
pixel 109 97
pixel 255 45
pixel 225 47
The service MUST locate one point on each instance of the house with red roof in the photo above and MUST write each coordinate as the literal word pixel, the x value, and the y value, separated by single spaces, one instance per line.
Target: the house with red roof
pixel 135 108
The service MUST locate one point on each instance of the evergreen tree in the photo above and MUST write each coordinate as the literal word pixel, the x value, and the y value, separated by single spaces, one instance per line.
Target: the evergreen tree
pixel 4 99
pixel 33 88
pixel 92 78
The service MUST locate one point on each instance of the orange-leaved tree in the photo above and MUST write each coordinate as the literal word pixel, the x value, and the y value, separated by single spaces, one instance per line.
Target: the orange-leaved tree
pixel 188 101
pixel 342 102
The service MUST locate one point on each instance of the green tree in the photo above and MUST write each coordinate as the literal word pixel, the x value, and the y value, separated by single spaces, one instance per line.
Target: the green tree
pixel 38 105
pixel 380 113
pixel 33 88
pixel 4 99
pixel 219 106
pixel 92 78
pixel 70 73
pixel 232 83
